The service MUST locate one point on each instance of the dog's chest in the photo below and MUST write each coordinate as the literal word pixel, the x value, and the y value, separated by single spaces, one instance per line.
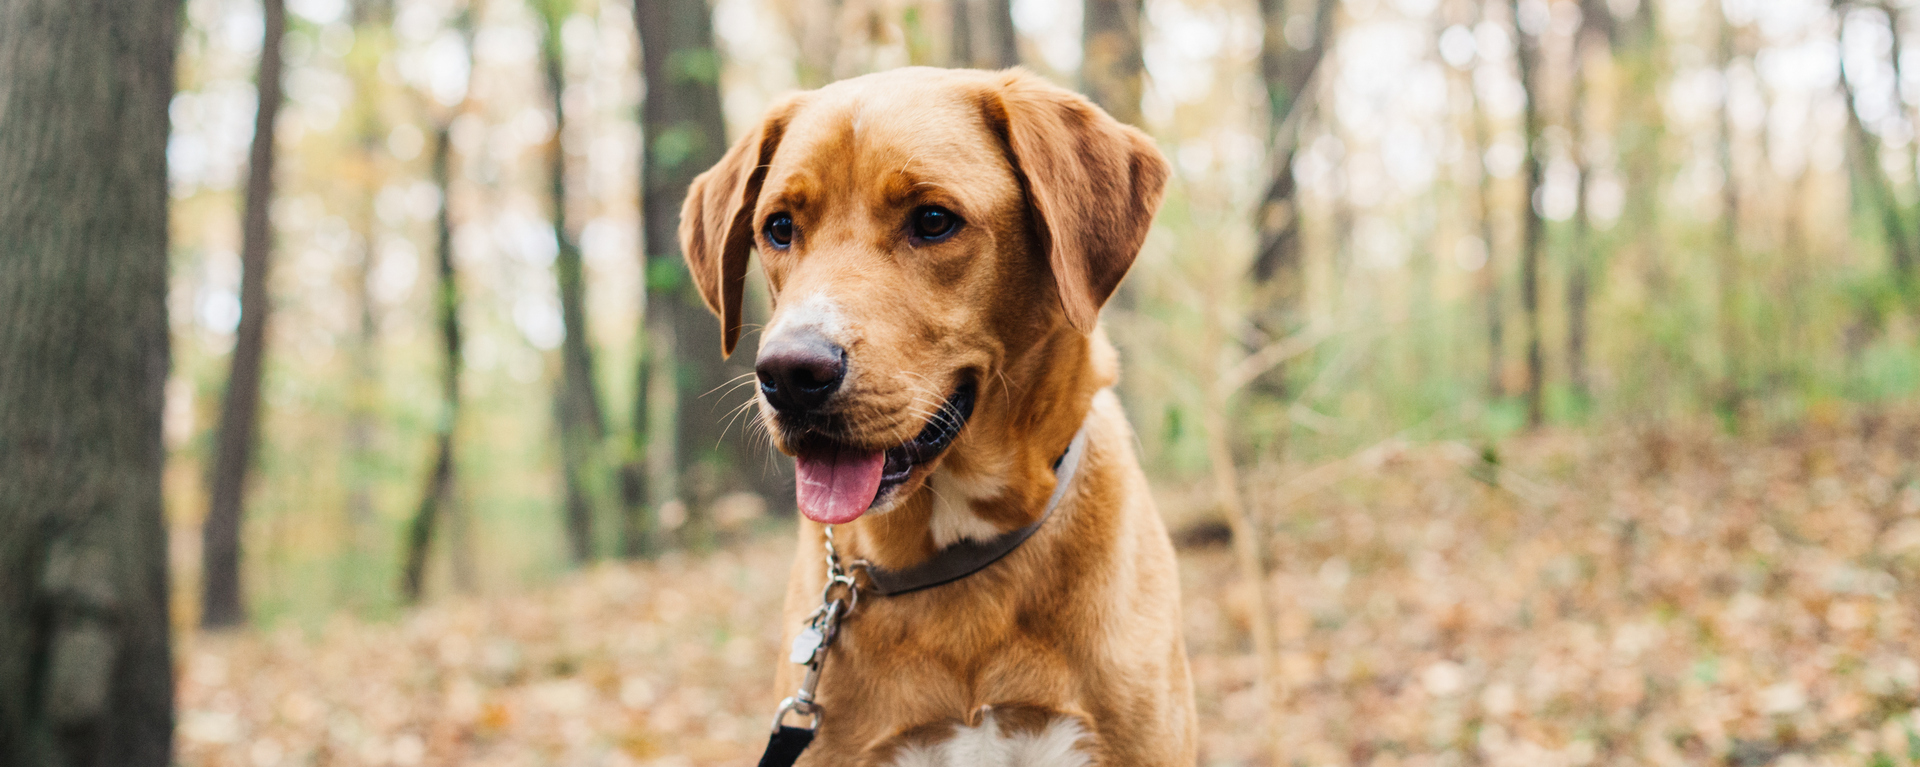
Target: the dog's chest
pixel 1059 742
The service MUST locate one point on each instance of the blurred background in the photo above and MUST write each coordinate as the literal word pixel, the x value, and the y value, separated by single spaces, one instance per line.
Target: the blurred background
pixel 1525 382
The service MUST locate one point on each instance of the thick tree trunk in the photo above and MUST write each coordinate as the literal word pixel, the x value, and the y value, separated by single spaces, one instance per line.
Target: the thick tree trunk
pixel 1527 55
pixel 578 406
pixel 86 675
pixel 221 602
pixel 983 36
pixel 1113 68
pixel 684 136
pixel 438 495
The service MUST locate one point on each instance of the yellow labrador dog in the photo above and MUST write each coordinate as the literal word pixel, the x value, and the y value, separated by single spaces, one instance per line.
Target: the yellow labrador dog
pixel 938 245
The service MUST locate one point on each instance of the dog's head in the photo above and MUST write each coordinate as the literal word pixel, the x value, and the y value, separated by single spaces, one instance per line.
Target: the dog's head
pixel 924 234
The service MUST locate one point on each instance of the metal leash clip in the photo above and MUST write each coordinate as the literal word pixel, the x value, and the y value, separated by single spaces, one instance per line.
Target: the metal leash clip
pixel 810 646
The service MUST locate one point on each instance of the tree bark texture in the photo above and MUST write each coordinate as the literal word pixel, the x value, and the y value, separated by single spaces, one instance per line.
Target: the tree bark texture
pixel 86 674
pixel 1112 68
pixel 1527 56
pixel 577 408
pixel 684 134
pixel 983 36
pixel 438 495
pixel 222 603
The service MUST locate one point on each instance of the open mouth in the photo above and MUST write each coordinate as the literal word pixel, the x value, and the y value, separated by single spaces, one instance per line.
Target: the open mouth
pixel 835 483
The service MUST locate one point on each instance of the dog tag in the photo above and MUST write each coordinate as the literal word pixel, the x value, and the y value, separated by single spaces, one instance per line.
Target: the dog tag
pixel 805 645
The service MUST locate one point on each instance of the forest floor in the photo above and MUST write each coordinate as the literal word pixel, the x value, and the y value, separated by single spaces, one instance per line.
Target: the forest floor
pixel 1640 597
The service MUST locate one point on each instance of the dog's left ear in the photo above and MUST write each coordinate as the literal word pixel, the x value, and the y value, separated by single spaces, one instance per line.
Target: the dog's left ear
pixel 716 222
pixel 1093 185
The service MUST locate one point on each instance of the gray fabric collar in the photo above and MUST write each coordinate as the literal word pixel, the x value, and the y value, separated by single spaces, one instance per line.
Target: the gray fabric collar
pixel 968 557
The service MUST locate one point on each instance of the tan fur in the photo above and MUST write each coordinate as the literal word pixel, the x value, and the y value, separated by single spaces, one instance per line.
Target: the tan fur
pixel 1079 626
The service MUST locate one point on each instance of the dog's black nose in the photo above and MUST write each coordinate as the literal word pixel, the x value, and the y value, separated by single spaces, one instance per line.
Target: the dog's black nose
pixel 799 371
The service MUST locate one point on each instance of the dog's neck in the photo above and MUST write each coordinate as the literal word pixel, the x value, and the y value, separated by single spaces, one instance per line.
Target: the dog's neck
pixel 998 475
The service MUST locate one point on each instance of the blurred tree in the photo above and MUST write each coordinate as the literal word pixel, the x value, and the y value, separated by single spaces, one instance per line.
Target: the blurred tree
pixel 1592 46
pixel 221 603
pixel 367 172
pixel 1902 246
pixel 1638 138
pixel 1527 56
pixel 578 408
pixel 439 496
pixel 86 674
pixel 1728 255
pixel 1112 68
pixel 983 36
pixel 1290 53
pixel 684 135
pixel 1493 298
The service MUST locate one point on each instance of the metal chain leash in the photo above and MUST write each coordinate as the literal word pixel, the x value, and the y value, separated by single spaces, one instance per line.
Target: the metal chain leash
pixel 810 649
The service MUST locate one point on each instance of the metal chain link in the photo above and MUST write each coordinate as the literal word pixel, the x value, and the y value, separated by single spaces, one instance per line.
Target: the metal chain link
pixel 820 628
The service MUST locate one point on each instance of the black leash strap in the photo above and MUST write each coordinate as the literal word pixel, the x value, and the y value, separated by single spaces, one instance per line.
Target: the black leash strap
pixel 785 746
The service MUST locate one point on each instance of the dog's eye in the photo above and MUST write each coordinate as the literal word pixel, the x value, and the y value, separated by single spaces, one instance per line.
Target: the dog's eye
pixel 933 223
pixel 780 230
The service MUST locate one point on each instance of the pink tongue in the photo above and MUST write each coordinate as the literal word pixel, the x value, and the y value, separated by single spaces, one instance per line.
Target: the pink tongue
pixel 836 485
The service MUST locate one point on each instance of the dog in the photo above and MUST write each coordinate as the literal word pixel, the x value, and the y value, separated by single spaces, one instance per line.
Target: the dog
pixel 938 245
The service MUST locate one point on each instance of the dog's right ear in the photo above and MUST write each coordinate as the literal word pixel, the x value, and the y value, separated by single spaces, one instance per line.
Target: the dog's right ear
pixel 716 223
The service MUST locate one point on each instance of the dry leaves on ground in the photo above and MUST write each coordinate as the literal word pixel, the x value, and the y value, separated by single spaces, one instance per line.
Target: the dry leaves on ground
pixel 1646 598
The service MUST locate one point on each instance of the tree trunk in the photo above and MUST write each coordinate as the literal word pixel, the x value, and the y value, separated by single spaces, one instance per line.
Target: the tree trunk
pixel 1527 56
pixel 1638 140
pixel 1596 29
pixel 578 406
pixel 1278 267
pixel 438 494
pixel 1112 68
pixel 1902 249
pixel 222 604
pixel 86 672
pixel 983 36
pixel 370 17
pixel 1492 296
pixel 684 135
pixel 1899 247
pixel 1732 385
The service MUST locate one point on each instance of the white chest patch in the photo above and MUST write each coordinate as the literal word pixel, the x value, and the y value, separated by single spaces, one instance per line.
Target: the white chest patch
pixel 985 746
pixel 953 518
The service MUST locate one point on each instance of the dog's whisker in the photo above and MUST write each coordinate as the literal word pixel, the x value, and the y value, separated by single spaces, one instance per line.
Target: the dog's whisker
pixel 730 384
